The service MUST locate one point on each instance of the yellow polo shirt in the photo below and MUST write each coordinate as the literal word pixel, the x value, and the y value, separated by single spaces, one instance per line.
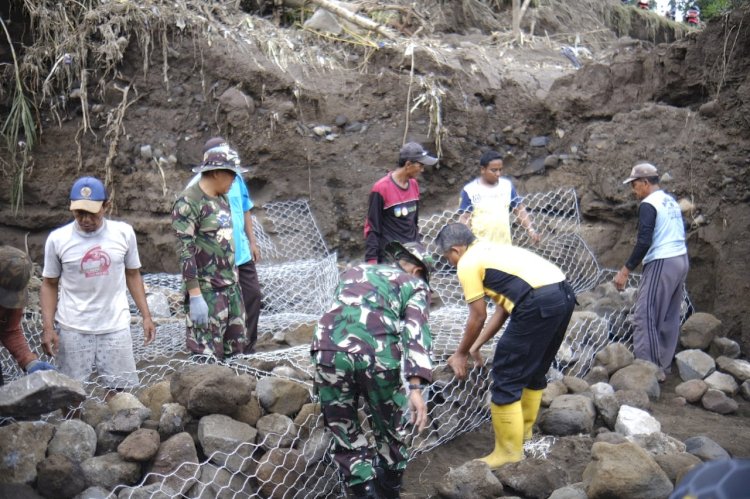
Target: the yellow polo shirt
pixel 504 273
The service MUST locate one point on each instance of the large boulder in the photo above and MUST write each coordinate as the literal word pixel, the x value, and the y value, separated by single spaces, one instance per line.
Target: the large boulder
pixel 155 396
pixel 276 430
pixel 211 389
pixel 692 390
pixel 745 390
pixel 22 447
pixel 94 412
pixel 640 376
pixel 249 413
pixel 176 460
pixel 278 472
pixel 281 395
pixel 740 369
pixel 699 330
pixel 73 439
pixel 722 382
pixel 141 445
pixel 39 393
pixel 724 347
pixel 173 419
pixel 308 418
pixel 676 465
pixel 110 470
pixel 315 446
pixel 535 478
pixel 471 480
pixel 123 401
pixel 59 477
pixel 632 421
pixel 614 357
pixel 227 442
pixel 624 470
pixel 552 391
pixel 705 448
pixel 657 443
pixel 717 401
pixel 129 420
pixel 107 439
pixel 568 415
pixel 694 364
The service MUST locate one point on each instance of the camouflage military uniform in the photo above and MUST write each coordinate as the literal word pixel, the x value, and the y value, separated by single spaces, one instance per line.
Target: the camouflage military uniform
pixel 204 228
pixel 379 315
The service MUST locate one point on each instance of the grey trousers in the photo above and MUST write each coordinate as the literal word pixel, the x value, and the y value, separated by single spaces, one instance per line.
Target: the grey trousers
pixel 657 310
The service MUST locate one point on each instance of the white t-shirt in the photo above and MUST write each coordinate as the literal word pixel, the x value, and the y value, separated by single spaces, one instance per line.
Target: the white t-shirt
pixel 91 268
pixel 669 232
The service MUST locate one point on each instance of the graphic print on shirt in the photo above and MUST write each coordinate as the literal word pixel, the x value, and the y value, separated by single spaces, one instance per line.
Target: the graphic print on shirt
pixel 95 262
pixel 225 223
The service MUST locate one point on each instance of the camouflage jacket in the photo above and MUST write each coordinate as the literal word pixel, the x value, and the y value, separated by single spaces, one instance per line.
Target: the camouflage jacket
pixel 382 311
pixel 204 228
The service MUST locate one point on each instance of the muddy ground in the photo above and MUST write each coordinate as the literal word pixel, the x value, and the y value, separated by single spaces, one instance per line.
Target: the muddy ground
pixel 683 105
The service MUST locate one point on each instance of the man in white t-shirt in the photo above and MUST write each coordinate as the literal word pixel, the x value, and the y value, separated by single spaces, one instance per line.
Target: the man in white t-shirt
pixel 88 264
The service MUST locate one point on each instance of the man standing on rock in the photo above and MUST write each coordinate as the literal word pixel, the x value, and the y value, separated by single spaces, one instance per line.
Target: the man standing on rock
pixel 393 211
pixel 202 220
pixel 15 272
pixel 88 264
pixel 379 314
pixel 540 302
pixel 486 203
pixel 660 245
pixel 246 249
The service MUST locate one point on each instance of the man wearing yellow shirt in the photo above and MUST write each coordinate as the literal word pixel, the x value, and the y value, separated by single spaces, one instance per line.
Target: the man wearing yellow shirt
pixel 535 294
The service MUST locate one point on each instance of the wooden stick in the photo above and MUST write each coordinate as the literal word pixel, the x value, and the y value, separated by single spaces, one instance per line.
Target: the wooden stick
pixel 334 7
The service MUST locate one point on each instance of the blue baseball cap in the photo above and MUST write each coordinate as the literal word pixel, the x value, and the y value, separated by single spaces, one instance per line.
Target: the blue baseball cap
pixel 88 194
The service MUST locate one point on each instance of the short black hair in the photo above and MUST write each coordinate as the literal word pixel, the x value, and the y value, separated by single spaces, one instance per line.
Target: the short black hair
pixel 652 180
pixel 455 234
pixel 489 156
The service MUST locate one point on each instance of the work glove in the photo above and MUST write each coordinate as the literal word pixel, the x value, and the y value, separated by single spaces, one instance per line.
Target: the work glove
pixel 198 310
pixel 39 365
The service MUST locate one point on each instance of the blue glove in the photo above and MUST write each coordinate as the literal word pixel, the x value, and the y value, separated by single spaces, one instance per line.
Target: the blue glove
pixel 39 365
pixel 198 310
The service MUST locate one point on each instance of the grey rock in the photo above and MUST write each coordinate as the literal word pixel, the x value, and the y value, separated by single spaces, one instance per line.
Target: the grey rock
pixel 341 120
pixel 227 442
pixel 153 491
pixel 693 390
pixel 597 374
pixel 324 22
pixel 354 127
pixel 553 390
pixel 235 100
pixel 59 477
pixel 106 439
pixel 129 420
pixel 216 483
pixel 572 454
pixel 551 161
pixel 574 491
pixel 73 439
pixel 177 458
pixel 740 369
pixel 276 430
pixel 18 491
pixel 614 357
pixel 146 152
pixel 308 418
pixel 710 109
pixel 539 141
pixel 155 396
pixel 568 415
pixel 141 445
pixel 722 382
pixel 637 376
pixel 110 470
pixel 574 384
pixel 608 407
pixel 633 421
pixel 22 447
pixel 717 401
pixel 123 401
pixel 658 443
pixel 211 389
pixel 94 412
pixel 600 389
pixel 281 396
pixel 724 347
pixel 173 419
pixel 39 393
pixel 694 364
pixel 278 472
pixel 699 330
pixel 93 493
pixel 745 390
pixel 250 413
pixel 676 465
pixel 612 437
pixel 633 398
pixel 624 470
pixel 705 449
pixel 535 478
pixel 158 305
pixel 314 448
pixel 471 480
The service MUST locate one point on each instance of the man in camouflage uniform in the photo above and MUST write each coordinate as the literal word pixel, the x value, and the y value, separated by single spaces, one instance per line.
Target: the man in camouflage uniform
pixel 202 219
pixel 379 312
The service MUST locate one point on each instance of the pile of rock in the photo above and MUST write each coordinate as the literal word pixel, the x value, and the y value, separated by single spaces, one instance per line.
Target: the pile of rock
pixel 207 432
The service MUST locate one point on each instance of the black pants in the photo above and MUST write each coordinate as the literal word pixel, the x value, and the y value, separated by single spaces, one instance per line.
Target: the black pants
pixel 251 298
pixel 529 344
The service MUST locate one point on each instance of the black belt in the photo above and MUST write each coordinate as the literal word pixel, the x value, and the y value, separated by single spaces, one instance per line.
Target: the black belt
pixel 543 290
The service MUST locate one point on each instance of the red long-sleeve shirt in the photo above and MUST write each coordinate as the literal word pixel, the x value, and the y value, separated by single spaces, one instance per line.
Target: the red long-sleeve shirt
pixel 11 336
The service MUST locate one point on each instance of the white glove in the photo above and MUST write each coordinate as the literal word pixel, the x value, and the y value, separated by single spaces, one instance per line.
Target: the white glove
pixel 198 310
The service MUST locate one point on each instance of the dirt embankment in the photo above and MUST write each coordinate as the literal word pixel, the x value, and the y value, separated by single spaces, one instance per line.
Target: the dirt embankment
pixel 683 106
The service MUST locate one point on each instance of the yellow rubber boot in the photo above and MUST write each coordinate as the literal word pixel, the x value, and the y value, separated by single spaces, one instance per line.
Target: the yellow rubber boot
pixel 530 402
pixel 507 421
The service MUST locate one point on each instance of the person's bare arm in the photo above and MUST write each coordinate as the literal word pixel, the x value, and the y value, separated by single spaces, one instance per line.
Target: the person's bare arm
pixel 134 282
pixel 254 250
pixel 490 329
pixel 527 223
pixel 477 316
pixel 48 301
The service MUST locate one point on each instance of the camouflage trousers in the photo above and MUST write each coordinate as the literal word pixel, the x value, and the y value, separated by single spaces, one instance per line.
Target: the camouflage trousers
pixel 225 335
pixel 340 379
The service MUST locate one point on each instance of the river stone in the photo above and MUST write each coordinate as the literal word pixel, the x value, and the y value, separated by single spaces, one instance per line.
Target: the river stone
pixel 158 305
pixel 611 437
pixel 624 470
pixel 574 384
pixel 216 483
pixel 155 396
pixel 59 477
pixel 211 389
pixel 122 401
pixel 110 470
pixel 129 420
pixel 39 393
pixel 658 443
pixel 608 407
pixel 740 369
pixel 553 390
pixel 597 374
pixel 309 417
pixel 535 478
pixel 634 398
pixel 106 439
pixel 724 347
pixel 745 390
pixel 614 357
pixel 279 470
pixel 676 465
pixel 574 491
pixel 569 415
pixel 153 491
pixel 94 412
pixel 141 445
pixel 717 401
pixel 227 442
pixel 634 421
pixel 173 419
pixel 699 330
pixel 600 389
pixel 281 396
pixel 93 493
pixel 639 375
pixel 73 439
pixel 178 458
pixel 693 390
pixel 722 382
pixel 249 413
pixel 471 480
pixel 694 364
pixel 23 446
pixel 705 448
pixel 276 430
pixel 314 447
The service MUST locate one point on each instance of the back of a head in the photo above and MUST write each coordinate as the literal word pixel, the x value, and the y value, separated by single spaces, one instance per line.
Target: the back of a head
pixel 15 272
pixel 455 234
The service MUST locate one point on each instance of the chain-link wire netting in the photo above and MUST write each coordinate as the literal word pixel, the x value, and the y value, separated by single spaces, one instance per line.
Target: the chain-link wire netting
pixel 298 276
